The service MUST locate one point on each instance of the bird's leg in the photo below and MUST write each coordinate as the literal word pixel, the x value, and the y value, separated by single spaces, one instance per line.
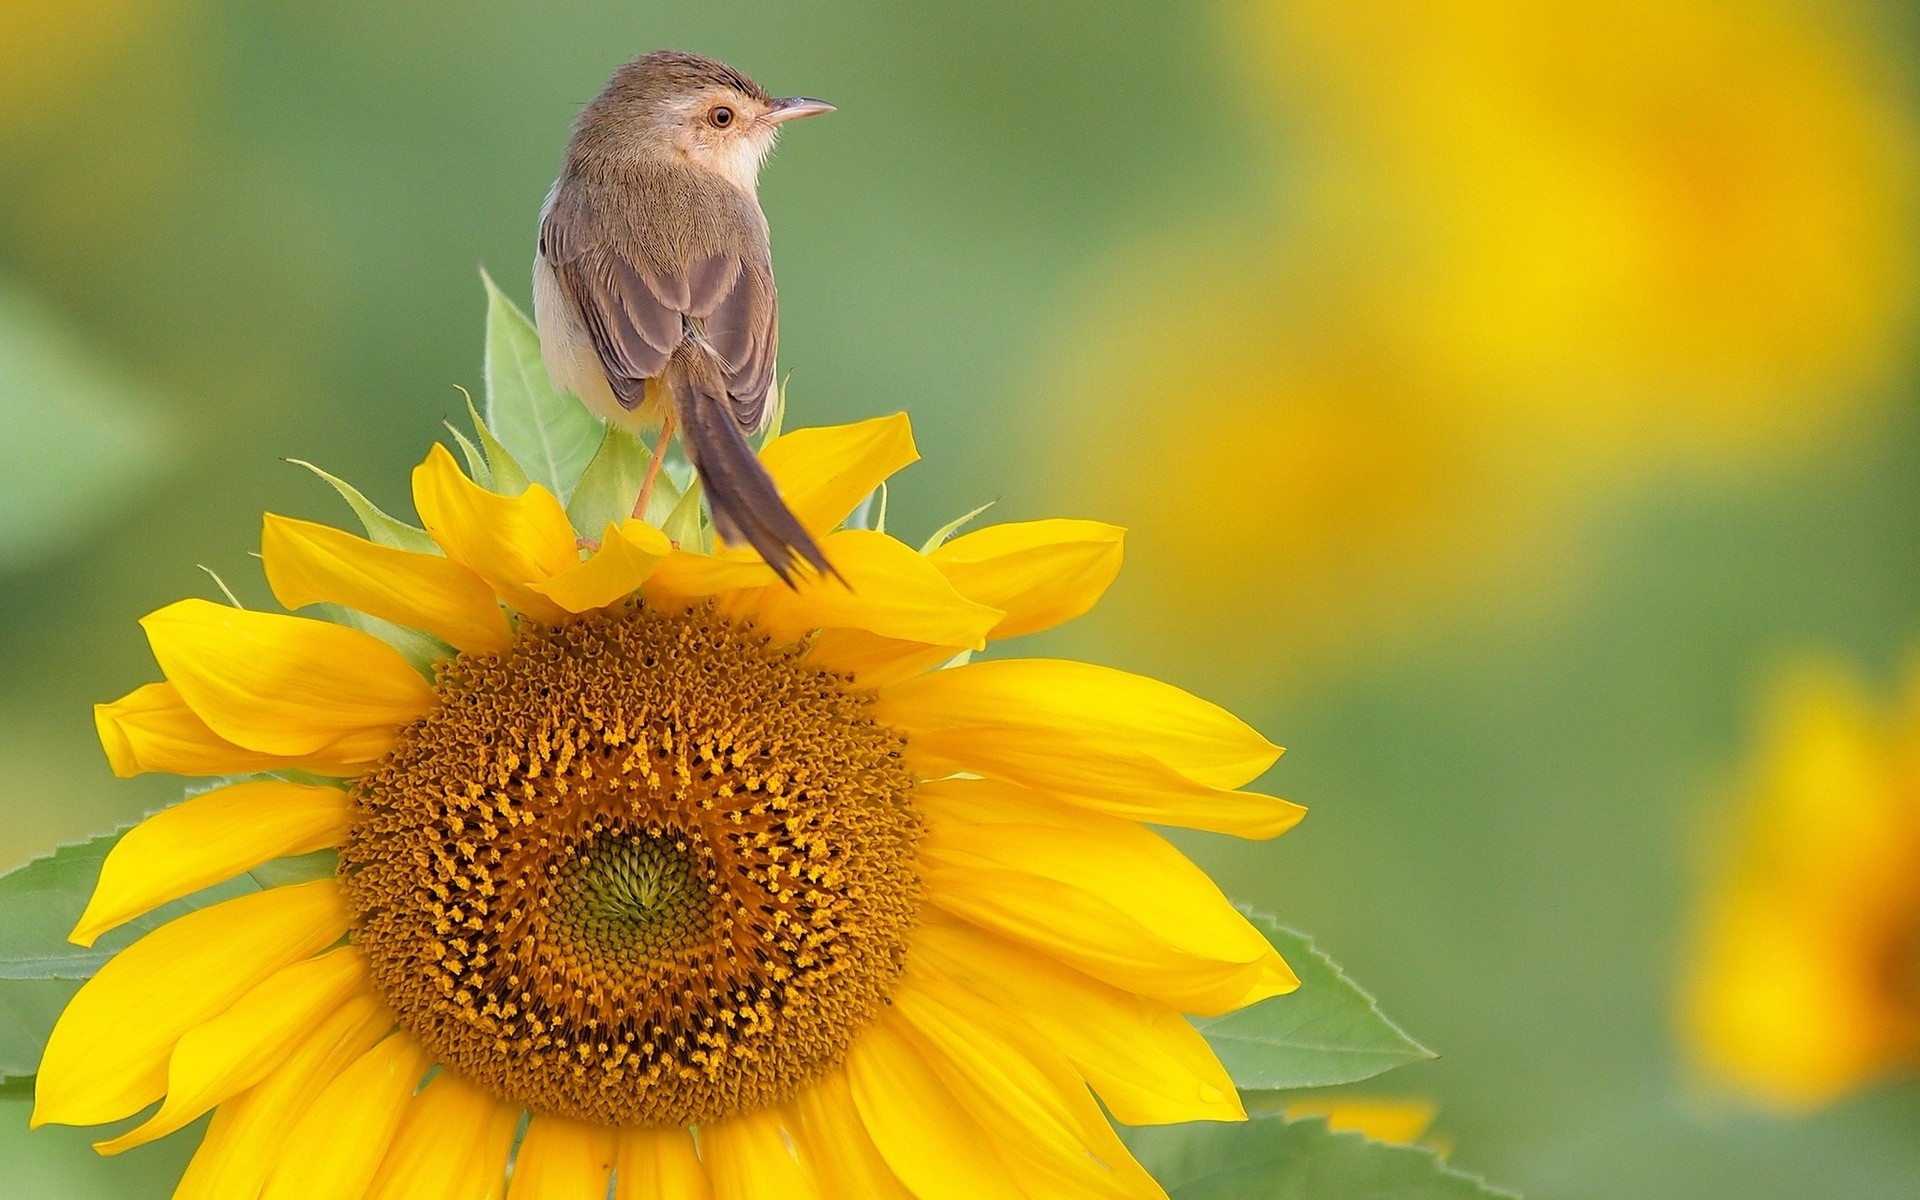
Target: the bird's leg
pixel 653 468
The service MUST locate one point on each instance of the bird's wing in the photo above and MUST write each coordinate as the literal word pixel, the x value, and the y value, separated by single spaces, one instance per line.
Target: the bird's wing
pixel 637 314
pixel 743 327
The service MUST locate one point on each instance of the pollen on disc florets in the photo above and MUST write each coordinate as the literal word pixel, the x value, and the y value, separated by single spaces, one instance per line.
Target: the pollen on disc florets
pixel 641 868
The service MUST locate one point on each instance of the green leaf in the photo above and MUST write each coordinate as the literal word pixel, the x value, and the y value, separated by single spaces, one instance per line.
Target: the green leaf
pixel 550 434
pixel 81 438
pixel 43 899
pixel 504 472
pixel 952 527
pixel 18 1087
pixel 606 493
pixel 379 526
pixel 28 1009
pixel 1327 1032
pixel 1270 1158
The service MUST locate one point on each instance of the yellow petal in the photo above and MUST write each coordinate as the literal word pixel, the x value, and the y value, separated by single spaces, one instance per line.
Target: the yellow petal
pixel 1086 708
pixel 207 840
pixel 318 564
pixel 628 554
pixel 336 1147
pixel 833 1139
pixel 562 1160
pixel 825 471
pixel 509 541
pixel 452 1145
pixel 285 685
pixel 1041 573
pixel 684 576
pixel 872 660
pixel 1106 896
pixel 1110 780
pixel 1029 1101
pixel 107 1056
pixel 928 1140
pixel 1150 1066
pixel 242 1045
pixel 751 1156
pixel 152 729
pixel 658 1164
pixel 243 1140
pixel 890 590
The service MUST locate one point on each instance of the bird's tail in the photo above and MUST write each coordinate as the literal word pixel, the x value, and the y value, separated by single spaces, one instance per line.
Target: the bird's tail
pixel 746 505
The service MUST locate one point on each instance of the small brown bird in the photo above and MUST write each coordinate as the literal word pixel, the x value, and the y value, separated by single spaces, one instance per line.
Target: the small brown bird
pixel 653 284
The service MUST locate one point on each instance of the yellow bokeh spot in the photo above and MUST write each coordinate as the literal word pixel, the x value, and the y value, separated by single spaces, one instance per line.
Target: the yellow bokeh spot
pixel 54 48
pixel 1512 261
pixel 1805 981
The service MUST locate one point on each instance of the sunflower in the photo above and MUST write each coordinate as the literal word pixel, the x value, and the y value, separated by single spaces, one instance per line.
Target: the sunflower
pixel 1805 980
pixel 661 873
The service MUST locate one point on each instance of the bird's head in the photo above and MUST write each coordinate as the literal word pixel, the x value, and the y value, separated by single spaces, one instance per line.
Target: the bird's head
pixel 670 104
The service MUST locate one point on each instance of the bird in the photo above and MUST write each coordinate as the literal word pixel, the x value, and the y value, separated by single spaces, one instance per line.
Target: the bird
pixel 653 281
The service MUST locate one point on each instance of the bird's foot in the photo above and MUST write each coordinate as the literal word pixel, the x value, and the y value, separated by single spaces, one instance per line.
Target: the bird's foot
pixel 653 466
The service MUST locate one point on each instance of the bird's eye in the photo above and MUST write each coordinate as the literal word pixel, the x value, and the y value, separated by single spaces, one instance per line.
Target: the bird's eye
pixel 720 117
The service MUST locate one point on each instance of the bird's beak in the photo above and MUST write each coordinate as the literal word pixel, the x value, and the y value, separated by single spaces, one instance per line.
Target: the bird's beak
pixel 793 108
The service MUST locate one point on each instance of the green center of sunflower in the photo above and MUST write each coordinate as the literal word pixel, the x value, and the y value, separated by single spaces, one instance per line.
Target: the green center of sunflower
pixel 632 898
pixel 641 869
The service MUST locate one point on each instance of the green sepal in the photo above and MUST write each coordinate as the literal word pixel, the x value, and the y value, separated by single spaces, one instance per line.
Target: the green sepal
pixel 505 475
pixel 611 484
pixel 952 527
pixel 550 434
pixel 380 527
pixel 1329 1031
pixel 684 525
pixel 862 515
pixel 222 585
pixel 778 420
pixel 1271 1158
pixel 477 469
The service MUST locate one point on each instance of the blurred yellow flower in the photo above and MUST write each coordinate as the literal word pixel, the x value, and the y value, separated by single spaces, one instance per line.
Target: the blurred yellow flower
pixel 54 47
pixel 1511 259
pixel 1805 983
pixel 1684 224
pixel 1379 1118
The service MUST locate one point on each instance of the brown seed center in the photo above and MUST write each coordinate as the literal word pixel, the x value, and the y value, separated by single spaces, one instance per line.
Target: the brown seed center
pixel 642 868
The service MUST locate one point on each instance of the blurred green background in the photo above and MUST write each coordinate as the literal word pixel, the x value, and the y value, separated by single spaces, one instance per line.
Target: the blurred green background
pixel 1497 394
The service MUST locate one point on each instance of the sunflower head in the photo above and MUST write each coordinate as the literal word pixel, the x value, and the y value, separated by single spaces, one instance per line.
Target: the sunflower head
pixel 715 877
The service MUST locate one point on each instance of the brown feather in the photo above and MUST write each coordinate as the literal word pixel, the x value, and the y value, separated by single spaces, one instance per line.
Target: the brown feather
pixel 746 504
pixel 664 266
